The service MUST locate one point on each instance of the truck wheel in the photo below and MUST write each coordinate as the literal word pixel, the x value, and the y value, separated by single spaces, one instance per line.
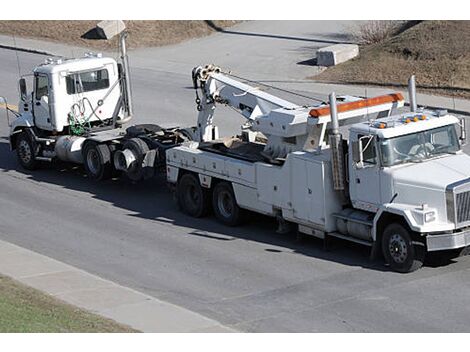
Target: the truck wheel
pixel 225 205
pixel 97 161
pixel 192 198
pixel 26 152
pixel 399 251
pixel 139 148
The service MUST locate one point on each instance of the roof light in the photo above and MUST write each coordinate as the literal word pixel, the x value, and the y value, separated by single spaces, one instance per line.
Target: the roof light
pixel 360 104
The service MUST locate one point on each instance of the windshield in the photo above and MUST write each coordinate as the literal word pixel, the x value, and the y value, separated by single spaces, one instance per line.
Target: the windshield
pixel 419 146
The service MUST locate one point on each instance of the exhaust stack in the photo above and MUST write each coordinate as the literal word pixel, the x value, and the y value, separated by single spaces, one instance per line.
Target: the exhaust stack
pixel 412 93
pixel 336 145
pixel 127 91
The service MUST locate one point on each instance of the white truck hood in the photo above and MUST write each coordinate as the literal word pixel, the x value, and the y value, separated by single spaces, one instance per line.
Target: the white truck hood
pixel 426 182
pixel 434 174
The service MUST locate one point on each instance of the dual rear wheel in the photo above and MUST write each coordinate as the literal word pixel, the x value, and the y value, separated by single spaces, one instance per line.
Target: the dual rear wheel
pixel 194 200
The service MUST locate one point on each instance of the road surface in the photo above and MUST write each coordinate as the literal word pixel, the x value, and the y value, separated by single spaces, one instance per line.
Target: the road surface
pixel 248 278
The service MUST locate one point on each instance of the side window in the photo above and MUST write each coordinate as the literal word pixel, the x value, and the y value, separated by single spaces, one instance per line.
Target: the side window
pixel 87 81
pixel 369 153
pixel 42 87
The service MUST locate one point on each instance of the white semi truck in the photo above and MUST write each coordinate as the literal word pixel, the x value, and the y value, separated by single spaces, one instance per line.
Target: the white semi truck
pixel 398 183
pixel 76 112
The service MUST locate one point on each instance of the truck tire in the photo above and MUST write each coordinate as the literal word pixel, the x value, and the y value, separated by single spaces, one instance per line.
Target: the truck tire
pixel 225 205
pixel 26 151
pixel 192 199
pixel 97 161
pixel 139 148
pixel 399 251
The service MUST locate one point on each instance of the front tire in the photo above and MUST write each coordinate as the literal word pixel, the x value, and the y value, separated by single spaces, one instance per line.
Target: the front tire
pixel 97 161
pixel 26 151
pixel 399 251
pixel 193 200
pixel 225 205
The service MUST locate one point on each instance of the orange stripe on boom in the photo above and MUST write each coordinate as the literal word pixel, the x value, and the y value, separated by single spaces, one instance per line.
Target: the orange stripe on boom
pixel 360 104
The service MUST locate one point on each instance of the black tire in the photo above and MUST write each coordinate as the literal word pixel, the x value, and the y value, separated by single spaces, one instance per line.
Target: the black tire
pixel 399 251
pixel 139 148
pixel 97 161
pixel 26 151
pixel 192 199
pixel 225 205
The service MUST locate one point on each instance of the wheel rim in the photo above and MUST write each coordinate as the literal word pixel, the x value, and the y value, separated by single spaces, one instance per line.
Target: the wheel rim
pixel 398 248
pixel 93 161
pixel 225 203
pixel 25 151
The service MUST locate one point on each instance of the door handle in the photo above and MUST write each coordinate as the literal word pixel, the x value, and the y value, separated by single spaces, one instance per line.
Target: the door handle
pixel 38 103
pixel 358 180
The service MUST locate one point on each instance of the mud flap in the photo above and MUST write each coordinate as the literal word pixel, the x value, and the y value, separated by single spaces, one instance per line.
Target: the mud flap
pixel 148 164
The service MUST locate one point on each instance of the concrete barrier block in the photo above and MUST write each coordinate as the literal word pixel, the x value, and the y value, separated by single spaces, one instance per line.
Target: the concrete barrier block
pixel 336 54
pixel 108 29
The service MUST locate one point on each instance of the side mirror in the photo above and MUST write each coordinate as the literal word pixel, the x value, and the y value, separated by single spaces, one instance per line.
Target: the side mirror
pixel 23 89
pixel 358 150
pixel 463 131
pixel 355 151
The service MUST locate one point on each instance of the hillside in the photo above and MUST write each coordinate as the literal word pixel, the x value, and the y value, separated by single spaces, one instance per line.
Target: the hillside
pixel 437 52
pixel 141 33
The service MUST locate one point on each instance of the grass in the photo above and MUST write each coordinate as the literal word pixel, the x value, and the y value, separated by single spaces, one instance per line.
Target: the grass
pixel 141 33
pixel 24 309
pixel 437 52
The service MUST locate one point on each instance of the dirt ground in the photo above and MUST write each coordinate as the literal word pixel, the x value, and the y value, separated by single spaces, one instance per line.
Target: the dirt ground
pixel 141 33
pixel 437 52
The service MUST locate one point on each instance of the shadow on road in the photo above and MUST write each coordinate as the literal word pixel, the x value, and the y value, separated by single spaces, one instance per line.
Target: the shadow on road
pixel 153 201
pixel 277 36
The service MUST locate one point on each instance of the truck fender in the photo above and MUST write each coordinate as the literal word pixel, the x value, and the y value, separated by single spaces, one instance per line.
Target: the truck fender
pixel 396 211
pixel 25 120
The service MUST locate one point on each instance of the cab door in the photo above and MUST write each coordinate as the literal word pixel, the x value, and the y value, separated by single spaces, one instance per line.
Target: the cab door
pixel 41 107
pixel 364 175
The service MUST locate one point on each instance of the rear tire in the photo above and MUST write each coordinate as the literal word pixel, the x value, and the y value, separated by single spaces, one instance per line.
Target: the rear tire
pixel 139 148
pixel 26 151
pixel 192 199
pixel 97 161
pixel 399 251
pixel 225 205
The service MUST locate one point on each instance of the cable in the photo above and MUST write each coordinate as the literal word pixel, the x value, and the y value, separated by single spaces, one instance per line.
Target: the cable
pixel 276 88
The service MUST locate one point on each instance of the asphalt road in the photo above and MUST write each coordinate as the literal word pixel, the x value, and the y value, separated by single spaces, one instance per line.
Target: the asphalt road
pixel 248 277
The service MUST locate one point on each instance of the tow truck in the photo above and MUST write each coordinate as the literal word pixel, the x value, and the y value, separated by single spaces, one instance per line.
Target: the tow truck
pixel 399 182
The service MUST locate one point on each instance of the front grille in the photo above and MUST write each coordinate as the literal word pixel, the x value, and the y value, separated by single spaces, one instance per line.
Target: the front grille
pixel 463 207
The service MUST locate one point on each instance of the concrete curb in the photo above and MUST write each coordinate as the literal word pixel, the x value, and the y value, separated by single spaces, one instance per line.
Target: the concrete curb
pixel 43 47
pixel 100 296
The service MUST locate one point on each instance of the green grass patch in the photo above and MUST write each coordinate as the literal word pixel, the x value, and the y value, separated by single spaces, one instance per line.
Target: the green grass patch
pixel 24 309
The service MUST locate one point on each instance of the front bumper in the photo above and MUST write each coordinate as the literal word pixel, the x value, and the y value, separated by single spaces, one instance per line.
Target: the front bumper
pixel 448 241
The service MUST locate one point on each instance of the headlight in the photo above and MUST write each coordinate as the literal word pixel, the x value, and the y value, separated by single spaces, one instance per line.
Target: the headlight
pixel 429 216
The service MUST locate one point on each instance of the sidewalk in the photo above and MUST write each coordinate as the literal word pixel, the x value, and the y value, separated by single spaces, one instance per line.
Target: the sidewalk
pixel 103 297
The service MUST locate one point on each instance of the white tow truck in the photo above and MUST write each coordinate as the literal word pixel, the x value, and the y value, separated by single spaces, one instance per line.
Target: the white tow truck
pixel 399 183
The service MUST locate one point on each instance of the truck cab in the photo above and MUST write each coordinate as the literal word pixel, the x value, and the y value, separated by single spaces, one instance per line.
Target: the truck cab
pixel 411 165
pixel 67 93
